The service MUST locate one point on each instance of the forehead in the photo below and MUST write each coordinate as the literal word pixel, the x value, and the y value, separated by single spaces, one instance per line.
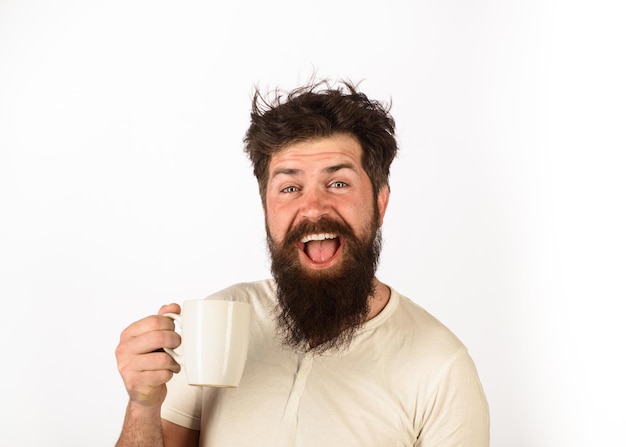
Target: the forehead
pixel 327 150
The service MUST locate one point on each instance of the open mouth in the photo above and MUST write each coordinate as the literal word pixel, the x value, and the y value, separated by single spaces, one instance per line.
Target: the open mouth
pixel 320 247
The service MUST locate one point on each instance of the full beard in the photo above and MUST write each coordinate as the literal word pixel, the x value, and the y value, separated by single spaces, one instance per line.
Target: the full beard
pixel 321 310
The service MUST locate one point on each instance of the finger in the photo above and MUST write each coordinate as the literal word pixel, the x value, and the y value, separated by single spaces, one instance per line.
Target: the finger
pixel 148 324
pixel 149 342
pixel 169 308
pixel 131 367
pixel 156 362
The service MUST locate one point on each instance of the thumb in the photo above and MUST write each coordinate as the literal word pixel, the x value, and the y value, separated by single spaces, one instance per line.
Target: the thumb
pixel 172 308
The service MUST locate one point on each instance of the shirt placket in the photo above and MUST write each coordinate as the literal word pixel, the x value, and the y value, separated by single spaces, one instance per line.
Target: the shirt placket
pixel 289 424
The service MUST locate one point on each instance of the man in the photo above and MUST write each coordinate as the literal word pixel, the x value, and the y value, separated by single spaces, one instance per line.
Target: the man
pixel 336 357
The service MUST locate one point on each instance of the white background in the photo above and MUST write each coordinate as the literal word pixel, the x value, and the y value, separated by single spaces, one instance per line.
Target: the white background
pixel 123 186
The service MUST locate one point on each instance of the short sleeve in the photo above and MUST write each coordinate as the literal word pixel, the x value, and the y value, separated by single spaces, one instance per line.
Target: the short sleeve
pixel 183 404
pixel 458 413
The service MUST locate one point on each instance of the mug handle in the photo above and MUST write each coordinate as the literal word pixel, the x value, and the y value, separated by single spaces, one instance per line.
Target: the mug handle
pixel 176 356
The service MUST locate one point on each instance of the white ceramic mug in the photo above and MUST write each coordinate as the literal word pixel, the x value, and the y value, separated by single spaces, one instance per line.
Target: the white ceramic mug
pixel 214 344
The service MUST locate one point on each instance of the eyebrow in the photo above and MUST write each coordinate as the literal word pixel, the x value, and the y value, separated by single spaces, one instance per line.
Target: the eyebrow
pixel 328 170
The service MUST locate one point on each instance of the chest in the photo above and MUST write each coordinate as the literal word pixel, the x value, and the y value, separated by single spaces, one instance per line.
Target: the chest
pixel 304 400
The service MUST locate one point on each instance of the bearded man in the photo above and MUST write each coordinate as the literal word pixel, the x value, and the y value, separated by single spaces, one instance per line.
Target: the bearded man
pixel 336 357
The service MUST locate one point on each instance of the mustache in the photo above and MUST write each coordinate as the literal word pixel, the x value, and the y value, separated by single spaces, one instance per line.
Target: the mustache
pixel 323 225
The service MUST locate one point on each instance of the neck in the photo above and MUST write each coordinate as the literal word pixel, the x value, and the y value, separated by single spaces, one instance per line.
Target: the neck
pixel 379 300
pixel 377 303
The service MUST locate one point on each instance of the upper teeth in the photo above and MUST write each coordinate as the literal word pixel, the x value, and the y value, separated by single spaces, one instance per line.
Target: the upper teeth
pixel 317 237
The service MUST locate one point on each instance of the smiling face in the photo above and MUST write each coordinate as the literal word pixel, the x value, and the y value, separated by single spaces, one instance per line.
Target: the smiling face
pixel 322 222
pixel 316 181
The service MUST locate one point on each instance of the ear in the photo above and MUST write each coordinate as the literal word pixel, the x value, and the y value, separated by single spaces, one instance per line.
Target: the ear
pixel 381 202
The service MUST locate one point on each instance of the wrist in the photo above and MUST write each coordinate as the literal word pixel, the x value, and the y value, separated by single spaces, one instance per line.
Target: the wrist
pixel 144 409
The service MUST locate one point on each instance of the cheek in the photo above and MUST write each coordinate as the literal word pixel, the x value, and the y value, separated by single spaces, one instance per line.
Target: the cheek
pixel 275 226
pixel 363 216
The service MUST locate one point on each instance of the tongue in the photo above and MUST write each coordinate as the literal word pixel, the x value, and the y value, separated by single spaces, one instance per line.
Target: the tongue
pixel 321 251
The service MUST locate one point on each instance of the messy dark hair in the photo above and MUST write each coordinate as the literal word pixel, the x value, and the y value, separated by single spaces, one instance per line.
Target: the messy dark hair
pixel 319 110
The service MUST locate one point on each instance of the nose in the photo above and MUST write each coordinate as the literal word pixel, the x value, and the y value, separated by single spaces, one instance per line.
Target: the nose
pixel 315 204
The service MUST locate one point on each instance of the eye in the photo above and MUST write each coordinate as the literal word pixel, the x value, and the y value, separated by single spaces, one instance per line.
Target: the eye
pixel 289 189
pixel 338 184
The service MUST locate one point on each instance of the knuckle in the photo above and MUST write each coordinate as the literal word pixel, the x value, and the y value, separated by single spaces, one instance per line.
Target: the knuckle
pixel 152 323
pixel 120 350
pixel 159 322
pixel 161 338
pixel 168 339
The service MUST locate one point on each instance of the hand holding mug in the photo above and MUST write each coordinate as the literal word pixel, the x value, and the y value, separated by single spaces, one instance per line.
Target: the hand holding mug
pixel 143 370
